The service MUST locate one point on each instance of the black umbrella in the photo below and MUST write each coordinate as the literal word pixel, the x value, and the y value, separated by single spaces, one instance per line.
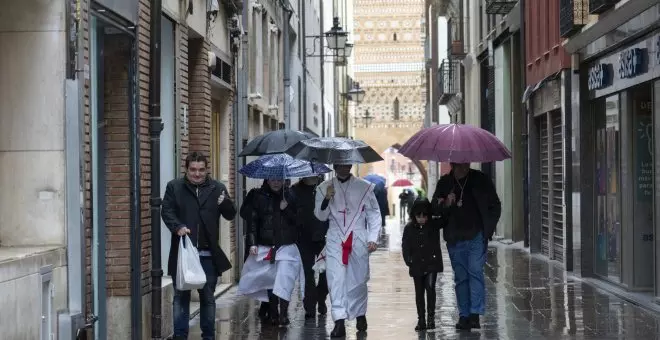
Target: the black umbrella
pixel 273 142
pixel 334 150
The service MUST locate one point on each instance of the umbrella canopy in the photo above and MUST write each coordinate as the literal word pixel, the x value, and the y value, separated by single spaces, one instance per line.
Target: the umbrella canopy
pixel 402 183
pixel 334 150
pixel 281 166
pixel 375 179
pixel 455 143
pixel 274 142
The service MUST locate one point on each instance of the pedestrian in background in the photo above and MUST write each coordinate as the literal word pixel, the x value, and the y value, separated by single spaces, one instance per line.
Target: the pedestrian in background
pixel 421 253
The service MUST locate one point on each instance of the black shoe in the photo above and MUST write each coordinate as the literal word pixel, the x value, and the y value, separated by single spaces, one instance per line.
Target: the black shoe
pixel 421 325
pixel 430 321
pixel 339 331
pixel 179 338
pixel 284 312
pixel 323 309
pixel 474 321
pixel 463 323
pixel 263 311
pixel 361 323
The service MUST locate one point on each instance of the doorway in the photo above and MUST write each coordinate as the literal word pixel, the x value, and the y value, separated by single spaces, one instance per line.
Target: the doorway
pixel 168 145
pixel 112 71
pixel 643 154
pixel 607 123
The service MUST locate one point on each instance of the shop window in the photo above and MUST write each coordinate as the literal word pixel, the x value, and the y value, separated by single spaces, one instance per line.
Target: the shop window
pixel 606 113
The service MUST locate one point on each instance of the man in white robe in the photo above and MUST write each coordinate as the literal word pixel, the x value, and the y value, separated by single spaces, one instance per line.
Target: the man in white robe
pixel 351 207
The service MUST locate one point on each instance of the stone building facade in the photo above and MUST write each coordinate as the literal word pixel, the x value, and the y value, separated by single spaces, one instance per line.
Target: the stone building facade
pixel 389 66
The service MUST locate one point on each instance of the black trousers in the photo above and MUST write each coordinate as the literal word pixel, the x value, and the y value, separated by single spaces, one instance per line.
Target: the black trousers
pixel 425 284
pixel 314 293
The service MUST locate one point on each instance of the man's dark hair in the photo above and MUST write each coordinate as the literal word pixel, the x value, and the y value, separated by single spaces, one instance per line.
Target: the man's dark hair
pixel 196 157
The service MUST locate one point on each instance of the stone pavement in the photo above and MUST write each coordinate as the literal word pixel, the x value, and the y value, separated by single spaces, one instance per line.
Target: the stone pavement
pixel 527 298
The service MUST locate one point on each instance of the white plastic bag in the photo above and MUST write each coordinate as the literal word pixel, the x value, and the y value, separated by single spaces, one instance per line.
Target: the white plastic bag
pixel 189 272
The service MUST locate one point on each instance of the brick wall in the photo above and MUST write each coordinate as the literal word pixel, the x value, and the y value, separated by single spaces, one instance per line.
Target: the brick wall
pixel 87 158
pixel 233 247
pixel 183 88
pixel 117 164
pixel 143 48
pixel 199 118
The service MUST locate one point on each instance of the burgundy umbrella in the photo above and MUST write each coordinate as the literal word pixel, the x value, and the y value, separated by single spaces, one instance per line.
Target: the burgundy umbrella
pixel 402 183
pixel 455 143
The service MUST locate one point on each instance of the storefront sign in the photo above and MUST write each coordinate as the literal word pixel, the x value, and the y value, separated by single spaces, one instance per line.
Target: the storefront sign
pixel 599 76
pixel 630 63
pixel 644 155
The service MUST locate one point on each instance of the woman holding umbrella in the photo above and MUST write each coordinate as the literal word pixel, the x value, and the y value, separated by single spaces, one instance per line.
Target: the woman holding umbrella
pixel 467 203
pixel 274 264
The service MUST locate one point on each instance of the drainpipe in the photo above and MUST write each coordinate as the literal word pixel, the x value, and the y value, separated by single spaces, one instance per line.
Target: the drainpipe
pixel 155 127
pixel 303 36
pixel 239 120
pixel 525 132
pixel 287 67
pixel 322 66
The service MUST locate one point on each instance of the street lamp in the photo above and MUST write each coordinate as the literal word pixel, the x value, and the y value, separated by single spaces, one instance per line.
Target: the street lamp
pixel 337 45
pixel 336 36
pixel 366 118
pixel 356 94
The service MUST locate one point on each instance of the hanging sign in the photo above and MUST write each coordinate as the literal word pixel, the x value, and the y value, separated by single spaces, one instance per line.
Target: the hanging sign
pixel 630 63
pixel 598 77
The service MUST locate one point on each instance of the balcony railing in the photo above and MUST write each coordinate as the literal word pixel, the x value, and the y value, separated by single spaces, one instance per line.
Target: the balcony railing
pixel 499 7
pixel 573 15
pixel 600 6
pixel 448 80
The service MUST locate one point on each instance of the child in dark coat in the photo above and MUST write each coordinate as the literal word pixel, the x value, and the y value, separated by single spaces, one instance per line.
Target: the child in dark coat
pixel 421 252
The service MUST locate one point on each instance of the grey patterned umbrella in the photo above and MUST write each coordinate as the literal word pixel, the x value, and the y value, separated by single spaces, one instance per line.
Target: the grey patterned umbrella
pixel 334 150
pixel 273 142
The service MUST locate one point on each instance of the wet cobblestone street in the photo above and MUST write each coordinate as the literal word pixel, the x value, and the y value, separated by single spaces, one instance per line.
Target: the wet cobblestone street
pixel 526 299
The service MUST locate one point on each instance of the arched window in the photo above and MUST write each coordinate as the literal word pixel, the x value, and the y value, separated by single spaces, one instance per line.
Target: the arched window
pixel 396 108
pixel 394 37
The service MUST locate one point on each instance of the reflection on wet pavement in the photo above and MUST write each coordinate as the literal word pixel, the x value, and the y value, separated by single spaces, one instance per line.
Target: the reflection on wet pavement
pixel 526 299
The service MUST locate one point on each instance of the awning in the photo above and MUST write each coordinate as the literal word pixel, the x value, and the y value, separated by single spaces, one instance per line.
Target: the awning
pixel 529 91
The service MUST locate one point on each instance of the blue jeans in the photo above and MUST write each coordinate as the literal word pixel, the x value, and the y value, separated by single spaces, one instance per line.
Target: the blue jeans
pixel 181 305
pixel 467 260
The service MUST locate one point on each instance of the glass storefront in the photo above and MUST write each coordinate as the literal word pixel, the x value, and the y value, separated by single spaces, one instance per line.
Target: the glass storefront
pixel 608 198
pixel 641 105
pixel 624 186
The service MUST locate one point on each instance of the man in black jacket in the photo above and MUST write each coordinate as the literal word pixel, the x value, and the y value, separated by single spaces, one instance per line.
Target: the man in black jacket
pixel 311 243
pixel 470 209
pixel 192 207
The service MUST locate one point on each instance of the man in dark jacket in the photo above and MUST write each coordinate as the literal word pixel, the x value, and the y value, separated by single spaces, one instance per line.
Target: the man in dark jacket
pixel 310 243
pixel 192 207
pixel 470 209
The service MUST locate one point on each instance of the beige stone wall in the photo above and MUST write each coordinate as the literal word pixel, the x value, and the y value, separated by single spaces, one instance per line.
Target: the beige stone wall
pixel 381 136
